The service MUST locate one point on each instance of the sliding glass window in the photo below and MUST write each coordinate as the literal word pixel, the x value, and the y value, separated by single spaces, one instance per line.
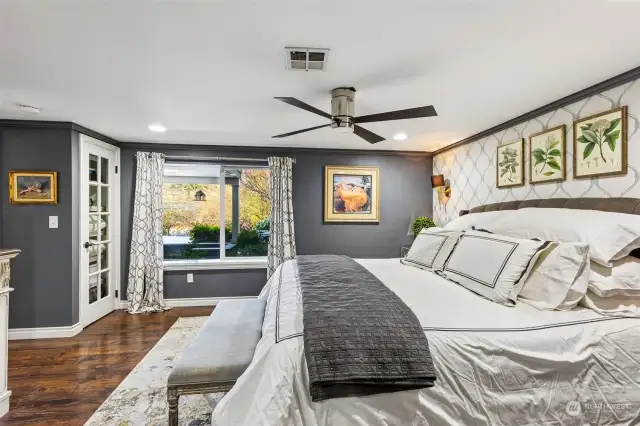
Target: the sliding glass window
pixel 214 212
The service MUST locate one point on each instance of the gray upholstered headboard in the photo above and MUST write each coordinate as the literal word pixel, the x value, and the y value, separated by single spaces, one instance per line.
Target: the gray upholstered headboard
pixel 616 205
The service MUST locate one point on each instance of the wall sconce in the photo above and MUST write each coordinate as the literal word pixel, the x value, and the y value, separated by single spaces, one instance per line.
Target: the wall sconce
pixel 443 187
pixel 200 196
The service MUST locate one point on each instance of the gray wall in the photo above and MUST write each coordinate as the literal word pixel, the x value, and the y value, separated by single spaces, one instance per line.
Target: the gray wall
pixel 43 274
pixel 405 189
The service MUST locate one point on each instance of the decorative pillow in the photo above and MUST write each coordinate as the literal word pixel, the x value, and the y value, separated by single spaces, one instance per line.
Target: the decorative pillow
pixel 431 248
pixel 492 265
pixel 622 279
pixel 610 236
pixel 559 278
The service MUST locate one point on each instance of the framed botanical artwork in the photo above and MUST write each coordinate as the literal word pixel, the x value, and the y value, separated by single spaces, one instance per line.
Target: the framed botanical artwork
pixel 600 144
pixel 351 194
pixel 547 159
pixel 510 167
pixel 26 187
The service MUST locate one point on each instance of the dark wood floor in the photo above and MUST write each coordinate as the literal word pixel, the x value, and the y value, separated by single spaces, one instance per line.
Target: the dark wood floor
pixel 63 381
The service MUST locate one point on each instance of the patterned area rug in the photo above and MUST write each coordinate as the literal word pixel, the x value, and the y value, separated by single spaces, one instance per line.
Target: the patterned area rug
pixel 141 398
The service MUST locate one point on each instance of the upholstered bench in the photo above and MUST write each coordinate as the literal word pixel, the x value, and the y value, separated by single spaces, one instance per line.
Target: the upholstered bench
pixel 220 353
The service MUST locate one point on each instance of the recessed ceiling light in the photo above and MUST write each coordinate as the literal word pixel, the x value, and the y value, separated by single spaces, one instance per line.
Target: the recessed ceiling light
pixel 157 128
pixel 400 136
pixel 29 108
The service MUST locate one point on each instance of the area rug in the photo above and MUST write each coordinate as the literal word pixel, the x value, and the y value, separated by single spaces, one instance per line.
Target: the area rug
pixel 141 398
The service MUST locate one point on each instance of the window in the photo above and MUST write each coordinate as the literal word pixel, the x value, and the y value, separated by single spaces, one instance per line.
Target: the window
pixel 195 214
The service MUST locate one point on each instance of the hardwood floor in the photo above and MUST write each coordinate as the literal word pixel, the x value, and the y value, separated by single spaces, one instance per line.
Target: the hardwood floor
pixel 63 381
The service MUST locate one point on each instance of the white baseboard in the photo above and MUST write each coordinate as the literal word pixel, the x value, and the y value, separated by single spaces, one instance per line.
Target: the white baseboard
pixel 4 403
pixel 44 332
pixel 193 301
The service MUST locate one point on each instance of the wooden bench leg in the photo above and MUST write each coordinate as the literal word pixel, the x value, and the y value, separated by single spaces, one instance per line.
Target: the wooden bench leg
pixel 172 399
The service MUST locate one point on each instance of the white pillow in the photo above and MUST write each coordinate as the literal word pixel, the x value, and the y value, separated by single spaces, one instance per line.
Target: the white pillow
pixel 616 306
pixel 622 279
pixel 559 278
pixel 431 248
pixel 610 236
pixel 483 220
pixel 492 265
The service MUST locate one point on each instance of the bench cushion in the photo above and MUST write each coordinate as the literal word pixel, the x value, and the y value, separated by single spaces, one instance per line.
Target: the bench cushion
pixel 224 347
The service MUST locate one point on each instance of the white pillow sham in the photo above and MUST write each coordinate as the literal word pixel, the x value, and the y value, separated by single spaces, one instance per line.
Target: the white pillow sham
pixel 610 236
pixel 431 248
pixel 485 220
pixel 615 306
pixel 622 279
pixel 492 265
pixel 559 279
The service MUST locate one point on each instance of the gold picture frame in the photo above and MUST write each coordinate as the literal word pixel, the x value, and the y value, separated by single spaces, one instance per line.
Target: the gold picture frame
pixel 351 194
pixel 548 155
pixel 33 187
pixel 597 135
pixel 510 164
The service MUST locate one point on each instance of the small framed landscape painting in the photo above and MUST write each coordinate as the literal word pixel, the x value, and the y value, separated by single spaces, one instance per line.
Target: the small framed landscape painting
pixel 547 160
pixel 510 167
pixel 351 194
pixel 28 187
pixel 600 144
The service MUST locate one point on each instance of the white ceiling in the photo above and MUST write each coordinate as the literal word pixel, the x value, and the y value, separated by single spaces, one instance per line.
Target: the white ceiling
pixel 208 70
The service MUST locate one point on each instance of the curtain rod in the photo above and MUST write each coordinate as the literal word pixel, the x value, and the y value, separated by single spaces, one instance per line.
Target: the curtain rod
pixel 213 159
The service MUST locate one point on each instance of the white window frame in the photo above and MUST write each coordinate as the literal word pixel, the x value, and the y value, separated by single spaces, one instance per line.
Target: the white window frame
pixel 254 262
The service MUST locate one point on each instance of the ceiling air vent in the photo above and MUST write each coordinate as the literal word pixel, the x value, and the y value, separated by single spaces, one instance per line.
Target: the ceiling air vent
pixel 306 59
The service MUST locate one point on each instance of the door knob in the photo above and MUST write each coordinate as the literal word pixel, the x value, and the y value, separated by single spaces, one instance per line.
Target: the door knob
pixel 88 244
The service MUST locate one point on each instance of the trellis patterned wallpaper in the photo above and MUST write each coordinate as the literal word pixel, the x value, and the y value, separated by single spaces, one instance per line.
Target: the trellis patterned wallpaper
pixel 471 168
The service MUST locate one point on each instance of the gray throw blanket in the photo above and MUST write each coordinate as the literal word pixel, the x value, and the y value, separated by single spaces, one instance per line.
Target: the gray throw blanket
pixel 359 337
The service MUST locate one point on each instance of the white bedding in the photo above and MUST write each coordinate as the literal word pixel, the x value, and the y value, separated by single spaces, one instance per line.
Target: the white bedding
pixel 496 365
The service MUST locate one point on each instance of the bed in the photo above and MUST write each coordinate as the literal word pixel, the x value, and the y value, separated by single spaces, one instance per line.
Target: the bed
pixel 495 365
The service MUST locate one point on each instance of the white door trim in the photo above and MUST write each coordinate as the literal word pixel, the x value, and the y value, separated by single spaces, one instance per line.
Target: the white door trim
pixel 115 223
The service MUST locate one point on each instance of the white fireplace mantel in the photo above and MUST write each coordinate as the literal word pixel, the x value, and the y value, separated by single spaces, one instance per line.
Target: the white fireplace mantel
pixel 5 274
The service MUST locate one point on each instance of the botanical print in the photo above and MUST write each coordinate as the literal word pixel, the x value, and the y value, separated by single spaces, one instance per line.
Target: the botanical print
pixel 600 144
pixel 510 165
pixel 351 194
pixel 547 158
pixel 33 187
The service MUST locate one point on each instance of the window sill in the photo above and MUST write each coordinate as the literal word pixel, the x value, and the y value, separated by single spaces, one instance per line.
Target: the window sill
pixel 206 265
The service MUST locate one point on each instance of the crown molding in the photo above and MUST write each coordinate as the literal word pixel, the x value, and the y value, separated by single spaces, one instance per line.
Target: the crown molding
pixel 616 81
pixel 66 125
pixel 268 150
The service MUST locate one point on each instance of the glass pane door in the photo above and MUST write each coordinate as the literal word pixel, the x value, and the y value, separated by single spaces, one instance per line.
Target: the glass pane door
pixel 99 255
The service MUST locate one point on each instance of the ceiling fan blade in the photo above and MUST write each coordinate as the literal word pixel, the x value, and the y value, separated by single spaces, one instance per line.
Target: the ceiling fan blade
pixel 284 135
pixel 367 135
pixel 403 114
pixel 300 104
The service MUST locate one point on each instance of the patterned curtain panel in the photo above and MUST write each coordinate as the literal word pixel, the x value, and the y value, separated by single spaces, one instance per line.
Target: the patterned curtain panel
pixel 145 287
pixel 282 240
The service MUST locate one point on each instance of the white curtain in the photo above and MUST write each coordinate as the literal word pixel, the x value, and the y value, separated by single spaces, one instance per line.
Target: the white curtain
pixel 282 240
pixel 146 286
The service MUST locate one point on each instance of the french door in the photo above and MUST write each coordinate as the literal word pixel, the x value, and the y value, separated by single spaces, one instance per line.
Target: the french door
pixel 99 220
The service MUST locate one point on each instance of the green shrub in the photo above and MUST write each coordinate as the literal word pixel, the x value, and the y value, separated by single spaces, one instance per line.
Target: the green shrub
pixel 201 233
pixel 263 225
pixel 246 238
pixel 420 223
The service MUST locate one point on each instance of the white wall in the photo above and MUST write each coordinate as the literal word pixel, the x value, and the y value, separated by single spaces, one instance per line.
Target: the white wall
pixel 471 168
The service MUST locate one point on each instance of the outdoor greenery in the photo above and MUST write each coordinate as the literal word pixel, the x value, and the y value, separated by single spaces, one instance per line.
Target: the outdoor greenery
pixel 200 220
pixel 420 223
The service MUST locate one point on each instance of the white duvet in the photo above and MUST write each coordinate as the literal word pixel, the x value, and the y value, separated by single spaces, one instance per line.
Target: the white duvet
pixel 495 365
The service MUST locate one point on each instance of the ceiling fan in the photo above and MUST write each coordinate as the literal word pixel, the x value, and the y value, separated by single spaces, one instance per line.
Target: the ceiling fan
pixel 343 115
